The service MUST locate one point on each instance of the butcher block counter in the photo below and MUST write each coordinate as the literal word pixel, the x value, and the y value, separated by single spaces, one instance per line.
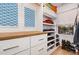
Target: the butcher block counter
pixel 12 35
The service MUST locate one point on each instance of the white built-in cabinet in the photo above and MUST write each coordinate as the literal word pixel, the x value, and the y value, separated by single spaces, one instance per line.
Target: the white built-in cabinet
pixel 14 46
pixel 32 45
pixel 39 45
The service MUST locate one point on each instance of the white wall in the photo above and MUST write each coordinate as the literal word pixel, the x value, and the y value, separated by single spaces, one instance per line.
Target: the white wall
pixel 65 16
pixel 39 20
pixel 20 27
pixel 66 37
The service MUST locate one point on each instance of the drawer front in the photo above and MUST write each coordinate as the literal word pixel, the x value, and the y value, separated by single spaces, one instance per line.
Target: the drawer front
pixel 14 45
pixel 39 50
pixel 35 40
pixel 24 52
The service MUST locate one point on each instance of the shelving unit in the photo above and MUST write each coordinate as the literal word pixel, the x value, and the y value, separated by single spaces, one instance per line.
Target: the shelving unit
pixel 49 12
pixel 52 44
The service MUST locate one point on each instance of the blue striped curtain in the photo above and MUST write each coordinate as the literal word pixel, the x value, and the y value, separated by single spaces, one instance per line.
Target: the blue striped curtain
pixel 8 14
pixel 29 16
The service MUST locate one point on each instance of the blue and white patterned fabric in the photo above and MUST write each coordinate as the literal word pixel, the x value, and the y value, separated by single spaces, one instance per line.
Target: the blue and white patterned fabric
pixel 29 16
pixel 8 14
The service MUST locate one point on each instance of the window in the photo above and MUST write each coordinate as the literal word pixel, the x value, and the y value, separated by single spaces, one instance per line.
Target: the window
pixel 8 14
pixel 29 17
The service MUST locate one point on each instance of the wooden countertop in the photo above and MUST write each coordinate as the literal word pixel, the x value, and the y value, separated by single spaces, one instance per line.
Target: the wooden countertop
pixel 12 35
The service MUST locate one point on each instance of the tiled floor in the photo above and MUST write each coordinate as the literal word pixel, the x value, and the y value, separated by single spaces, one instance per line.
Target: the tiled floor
pixel 61 51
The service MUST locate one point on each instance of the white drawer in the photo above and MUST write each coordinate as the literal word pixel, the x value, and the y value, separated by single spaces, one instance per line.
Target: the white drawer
pixel 24 52
pixel 14 45
pixel 39 50
pixel 35 40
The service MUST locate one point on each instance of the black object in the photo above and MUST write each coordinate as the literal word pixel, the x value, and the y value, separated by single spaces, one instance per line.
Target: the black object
pixel 49 30
pixel 57 40
pixel 69 46
pixel 76 36
pixel 65 44
pixel 50 33
pixel 50 38
pixel 57 36
pixel 57 44
pixel 50 43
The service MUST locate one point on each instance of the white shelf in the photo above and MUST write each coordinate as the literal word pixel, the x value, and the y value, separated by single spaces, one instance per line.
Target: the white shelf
pixel 52 50
pixel 48 12
pixel 51 45
pixel 58 42
pixel 51 35
pixel 50 40
pixel 48 24
pixel 49 31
